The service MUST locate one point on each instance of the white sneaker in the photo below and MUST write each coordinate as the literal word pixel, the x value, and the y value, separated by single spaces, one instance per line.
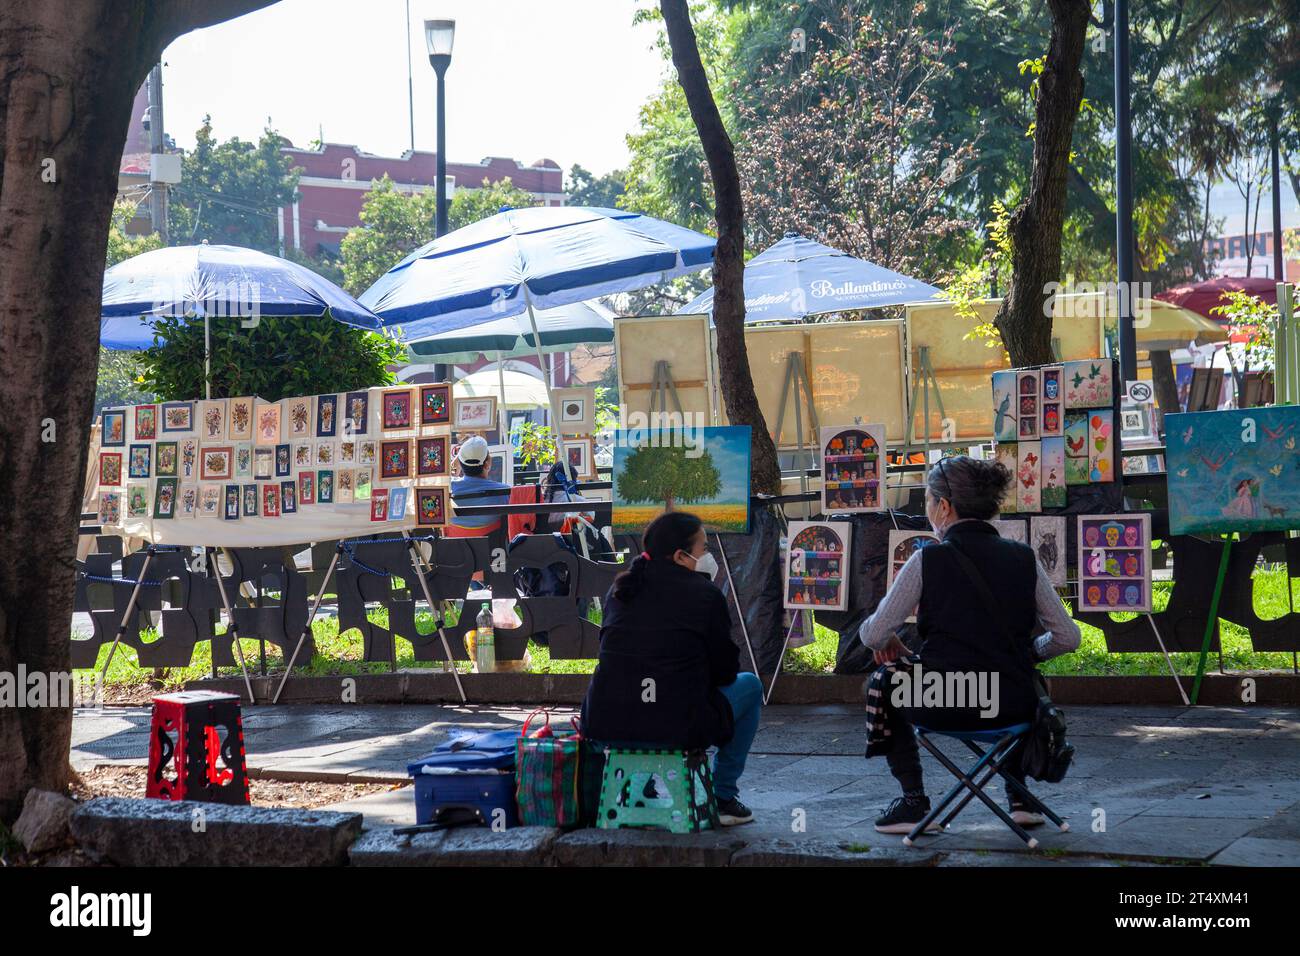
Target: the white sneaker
pixel 1027 818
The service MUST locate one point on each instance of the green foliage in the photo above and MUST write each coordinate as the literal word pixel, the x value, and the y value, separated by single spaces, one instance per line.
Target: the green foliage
pixel 667 474
pixel 537 442
pixel 1256 320
pixel 277 358
pixel 470 205
pixel 122 246
pixel 585 189
pixel 231 192
pixel 971 283
pixel 118 381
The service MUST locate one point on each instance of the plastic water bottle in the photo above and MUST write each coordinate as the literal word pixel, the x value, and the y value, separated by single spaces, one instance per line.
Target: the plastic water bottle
pixel 485 649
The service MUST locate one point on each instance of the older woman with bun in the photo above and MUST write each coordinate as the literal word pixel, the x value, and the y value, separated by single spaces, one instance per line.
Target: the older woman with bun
pixel 985 607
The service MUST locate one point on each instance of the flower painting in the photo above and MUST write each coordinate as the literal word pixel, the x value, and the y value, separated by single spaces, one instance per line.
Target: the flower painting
pixel 216 463
pixel 327 407
pixel 146 422
pixel 268 423
pixel 397 409
pixel 395 459
pixel 177 417
pixel 240 426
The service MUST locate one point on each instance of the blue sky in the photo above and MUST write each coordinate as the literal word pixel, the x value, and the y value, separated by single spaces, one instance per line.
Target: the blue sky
pixel 730 450
pixel 527 80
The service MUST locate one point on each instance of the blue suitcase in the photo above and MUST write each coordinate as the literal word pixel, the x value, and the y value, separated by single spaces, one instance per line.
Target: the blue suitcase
pixel 468 779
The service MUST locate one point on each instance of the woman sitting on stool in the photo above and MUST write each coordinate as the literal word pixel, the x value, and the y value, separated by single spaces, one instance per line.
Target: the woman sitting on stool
pixel 668 675
pixel 959 634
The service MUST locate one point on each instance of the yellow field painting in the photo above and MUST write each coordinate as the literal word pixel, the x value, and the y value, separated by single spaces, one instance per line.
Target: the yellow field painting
pixel 722 518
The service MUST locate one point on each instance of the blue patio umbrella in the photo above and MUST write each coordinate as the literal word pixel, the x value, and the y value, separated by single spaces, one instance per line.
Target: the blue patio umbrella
pixel 523 260
pixel 798 277
pixel 560 330
pixel 214 282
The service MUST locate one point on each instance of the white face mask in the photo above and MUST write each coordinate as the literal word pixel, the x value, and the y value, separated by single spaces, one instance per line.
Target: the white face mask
pixel 705 565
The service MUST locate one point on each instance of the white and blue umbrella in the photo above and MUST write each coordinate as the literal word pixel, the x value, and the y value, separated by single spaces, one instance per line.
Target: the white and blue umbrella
pixel 560 329
pixel 214 282
pixel 798 277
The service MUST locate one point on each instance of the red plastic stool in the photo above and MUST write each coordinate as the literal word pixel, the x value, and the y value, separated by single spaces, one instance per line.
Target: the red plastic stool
pixel 185 739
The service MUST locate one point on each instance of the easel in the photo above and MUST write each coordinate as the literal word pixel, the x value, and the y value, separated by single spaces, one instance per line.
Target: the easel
pixel 417 562
pixel 661 388
pixel 795 385
pixel 1213 617
pixel 233 628
pixel 926 382
pixel 735 596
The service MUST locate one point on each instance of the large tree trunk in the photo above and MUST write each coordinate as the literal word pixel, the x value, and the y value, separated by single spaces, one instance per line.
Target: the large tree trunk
pixel 1035 230
pixel 729 256
pixel 69 70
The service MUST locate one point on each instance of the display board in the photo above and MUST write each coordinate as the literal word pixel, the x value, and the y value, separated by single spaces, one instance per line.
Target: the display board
pixel 815 565
pixel 853 466
pixel 683 341
pixel 855 371
pixel 244 472
pixel 1234 470
pixel 962 366
pixel 1115 562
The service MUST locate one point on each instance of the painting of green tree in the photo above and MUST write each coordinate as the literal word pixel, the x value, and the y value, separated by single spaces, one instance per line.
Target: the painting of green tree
pixel 705 472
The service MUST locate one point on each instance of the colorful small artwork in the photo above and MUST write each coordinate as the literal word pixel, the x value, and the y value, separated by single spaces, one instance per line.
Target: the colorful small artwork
pixel 394 459
pixel 112 429
pixel 578 455
pixel 815 565
pixel 366 453
pixel 177 417
pixel 362 481
pixel 283 461
pixel 1027 407
pixel 343 485
pixel 379 504
pixel 137 501
pixel 1052 473
pixel 357 420
pixel 1234 470
pixel 1028 476
pixel 396 407
pixel 1052 413
pixel 431 456
pixel 271 501
pixel 146 422
pixel 216 462
pixel 166 459
pixel 288 497
pixel 475 414
pixel 431 507
pixel 307 488
pixel 325 486
pixel 302 454
pixel 577 410
pixel 347 452
pixel 1101 445
pixel 189 457
pixel 1007 454
pixel 212 420
pixel 250 500
pixel 243 460
pixel 703 470
pixel 164 498
pixel 239 424
pixel 233 496
pixel 435 404
pixel 853 467
pixel 140 461
pixel 110 507
pixel 110 468
pixel 1114 562
pixel 324 453
pixel 210 499
pixel 263 463
pixel 268 423
pixel 327 418
pixel 188 501
pixel 1047 538
pixel 1005 406
pixel 1088 383
pixel 297 421
pixel 397 498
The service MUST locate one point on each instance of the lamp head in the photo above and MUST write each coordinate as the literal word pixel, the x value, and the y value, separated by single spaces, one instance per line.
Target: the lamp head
pixel 438 38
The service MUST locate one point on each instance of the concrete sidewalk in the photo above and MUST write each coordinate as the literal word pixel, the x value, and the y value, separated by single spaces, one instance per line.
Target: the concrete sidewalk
pixel 1150 784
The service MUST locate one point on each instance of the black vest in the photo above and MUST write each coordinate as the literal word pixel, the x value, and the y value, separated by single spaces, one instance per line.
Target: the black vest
pixel 955 624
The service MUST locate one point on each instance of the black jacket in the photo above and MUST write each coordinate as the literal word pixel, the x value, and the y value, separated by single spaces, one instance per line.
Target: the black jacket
pixel 675 632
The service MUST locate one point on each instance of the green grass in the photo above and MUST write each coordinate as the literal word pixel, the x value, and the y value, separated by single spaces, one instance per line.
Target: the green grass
pixel 340 654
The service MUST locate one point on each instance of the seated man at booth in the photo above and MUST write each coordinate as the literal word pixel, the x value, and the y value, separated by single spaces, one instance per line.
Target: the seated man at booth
pixel 472 457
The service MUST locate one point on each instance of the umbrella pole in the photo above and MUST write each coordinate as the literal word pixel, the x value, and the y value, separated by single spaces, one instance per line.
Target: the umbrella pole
pixel 501 409
pixel 546 376
pixel 207 357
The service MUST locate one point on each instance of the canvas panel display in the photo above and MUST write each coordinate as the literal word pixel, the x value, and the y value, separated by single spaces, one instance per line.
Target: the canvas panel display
pixel 239 421
pixel 1007 454
pixel 816 564
pixel 1013 529
pixel 431 507
pixel 1028 402
pixel 475 414
pixel 1028 469
pixel 1047 538
pixel 1088 383
pixel 1114 562
pixel 212 420
pixel 853 467
pixel 1052 473
pixel 704 471
pixel 1005 406
pixel 1234 470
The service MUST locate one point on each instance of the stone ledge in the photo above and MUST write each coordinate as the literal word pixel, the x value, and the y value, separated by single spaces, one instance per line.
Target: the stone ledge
pixel 142 832
pixel 463 846
pixel 820 853
pixel 630 847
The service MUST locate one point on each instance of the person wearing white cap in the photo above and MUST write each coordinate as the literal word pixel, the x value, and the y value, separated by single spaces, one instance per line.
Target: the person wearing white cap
pixel 472 457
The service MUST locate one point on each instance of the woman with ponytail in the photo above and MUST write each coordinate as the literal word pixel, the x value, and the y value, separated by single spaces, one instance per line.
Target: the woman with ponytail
pixel 669 673
pixel 986 613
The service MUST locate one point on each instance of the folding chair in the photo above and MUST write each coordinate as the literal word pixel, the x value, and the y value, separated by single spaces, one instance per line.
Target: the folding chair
pixel 991 763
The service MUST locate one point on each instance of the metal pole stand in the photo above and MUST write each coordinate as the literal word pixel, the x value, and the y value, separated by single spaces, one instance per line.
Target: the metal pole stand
pixel 1168 660
pixel 233 628
pixel 740 612
pixel 417 562
pixel 320 596
pixel 130 609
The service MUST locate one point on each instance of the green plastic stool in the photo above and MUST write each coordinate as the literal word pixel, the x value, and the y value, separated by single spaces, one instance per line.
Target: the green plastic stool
pixel 658 789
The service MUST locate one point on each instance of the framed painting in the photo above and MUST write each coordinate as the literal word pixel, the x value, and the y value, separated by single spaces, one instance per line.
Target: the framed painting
pixel 347 453
pixel 431 456
pixel 379 504
pixel 815 565
pixel 501 464
pixel 271 501
pixel 366 453
pixel 283 461
pixel 177 417
pixel 212 420
pixel 189 457
pixel 296 422
pixel 435 404
pixel 327 416
pixel 324 453
pixel 577 410
pixel 475 414
pixel 137 500
pixel 288 497
pixel 357 417
pixel 166 459
pixel 110 468
pixel 164 498
pixel 343 478
pixel 394 459
pixel 397 498
pixel 250 502
pixel 232 499
pixel 146 422
pixel 188 506
pixel 853 468
pixel 362 481
pixel 140 464
pixel 268 423
pixel 210 498
pixel 217 463
pixel 431 507
pixel 110 507
pixel 578 456
pixel 239 419
pixel 325 486
pixel 112 429
pixel 263 463
pixel 307 488
pixel 1115 562
pixel 303 455
pixel 395 405
pixel 243 460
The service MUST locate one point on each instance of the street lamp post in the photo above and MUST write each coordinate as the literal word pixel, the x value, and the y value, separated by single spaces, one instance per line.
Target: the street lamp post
pixel 1124 195
pixel 438 37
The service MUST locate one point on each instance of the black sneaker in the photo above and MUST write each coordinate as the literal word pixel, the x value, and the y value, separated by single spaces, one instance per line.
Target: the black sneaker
pixel 732 813
pixel 904 814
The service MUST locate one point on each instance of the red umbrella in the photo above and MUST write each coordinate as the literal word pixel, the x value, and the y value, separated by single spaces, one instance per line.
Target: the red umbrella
pixel 1203 296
